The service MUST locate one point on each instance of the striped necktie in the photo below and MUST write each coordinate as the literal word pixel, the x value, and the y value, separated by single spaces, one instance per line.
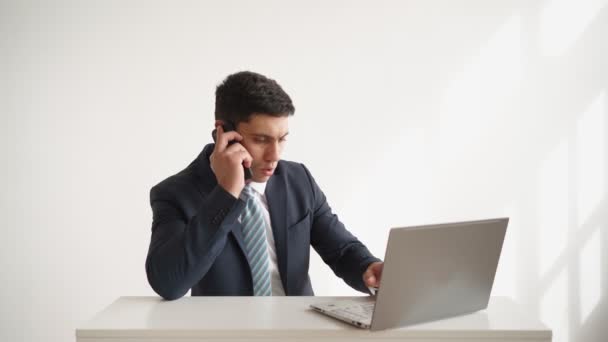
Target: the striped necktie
pixel 254 233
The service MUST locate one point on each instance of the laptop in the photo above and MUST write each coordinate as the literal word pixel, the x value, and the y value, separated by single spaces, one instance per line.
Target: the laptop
pixel 430 272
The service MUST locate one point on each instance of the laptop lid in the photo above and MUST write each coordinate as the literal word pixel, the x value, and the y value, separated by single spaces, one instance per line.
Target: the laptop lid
pixel 437 271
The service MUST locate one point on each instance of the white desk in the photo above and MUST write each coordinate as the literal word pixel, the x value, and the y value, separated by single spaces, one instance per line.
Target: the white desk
pixel 138 319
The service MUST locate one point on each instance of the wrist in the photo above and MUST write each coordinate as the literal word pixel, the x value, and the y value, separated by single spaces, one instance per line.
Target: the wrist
pixel 234 191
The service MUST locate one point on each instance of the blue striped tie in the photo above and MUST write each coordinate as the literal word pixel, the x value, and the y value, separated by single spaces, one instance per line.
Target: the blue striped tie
pixel 254 232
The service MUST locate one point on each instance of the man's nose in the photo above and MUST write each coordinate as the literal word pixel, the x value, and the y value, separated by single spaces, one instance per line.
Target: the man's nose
pixel 273 153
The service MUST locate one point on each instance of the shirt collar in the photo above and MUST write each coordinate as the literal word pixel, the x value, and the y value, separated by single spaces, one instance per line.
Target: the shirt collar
pixel 259 187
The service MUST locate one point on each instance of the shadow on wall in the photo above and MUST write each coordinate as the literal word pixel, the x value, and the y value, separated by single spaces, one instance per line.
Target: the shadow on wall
pixel 569 204
pixel 540 55
pixel 562 263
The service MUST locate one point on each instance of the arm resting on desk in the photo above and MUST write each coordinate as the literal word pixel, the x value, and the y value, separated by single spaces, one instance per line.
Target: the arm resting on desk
pixel 182 251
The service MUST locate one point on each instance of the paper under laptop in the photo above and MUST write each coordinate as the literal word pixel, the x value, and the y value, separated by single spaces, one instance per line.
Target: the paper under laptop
pixel 430 272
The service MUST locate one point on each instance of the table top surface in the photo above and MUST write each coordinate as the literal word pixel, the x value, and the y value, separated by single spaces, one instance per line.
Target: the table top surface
pixel 287 316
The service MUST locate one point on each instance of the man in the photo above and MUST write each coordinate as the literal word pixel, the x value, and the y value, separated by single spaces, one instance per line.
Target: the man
pixel 218 233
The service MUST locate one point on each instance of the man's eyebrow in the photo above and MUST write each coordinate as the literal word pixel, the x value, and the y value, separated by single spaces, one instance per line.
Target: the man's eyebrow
pixel 268 136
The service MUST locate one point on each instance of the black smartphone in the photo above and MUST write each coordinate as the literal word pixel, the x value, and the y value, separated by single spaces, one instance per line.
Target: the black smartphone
pixel 229 126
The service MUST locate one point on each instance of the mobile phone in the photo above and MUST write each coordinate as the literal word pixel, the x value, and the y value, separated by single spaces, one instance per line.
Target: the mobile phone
pixel 229 126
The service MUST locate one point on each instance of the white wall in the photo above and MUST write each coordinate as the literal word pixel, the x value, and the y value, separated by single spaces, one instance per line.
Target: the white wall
pixel 407 112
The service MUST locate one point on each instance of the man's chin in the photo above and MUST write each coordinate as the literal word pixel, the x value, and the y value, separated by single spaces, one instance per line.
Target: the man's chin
pixel 260 178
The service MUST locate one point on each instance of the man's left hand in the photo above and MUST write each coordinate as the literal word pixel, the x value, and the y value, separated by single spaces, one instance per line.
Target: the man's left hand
pixel 373 274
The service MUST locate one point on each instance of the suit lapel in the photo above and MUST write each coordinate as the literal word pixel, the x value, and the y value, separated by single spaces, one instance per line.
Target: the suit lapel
pixel 276 195
pixel 237 231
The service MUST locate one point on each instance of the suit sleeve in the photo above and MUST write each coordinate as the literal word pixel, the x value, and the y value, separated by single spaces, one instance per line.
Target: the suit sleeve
pixel 338 248
pixel 182 251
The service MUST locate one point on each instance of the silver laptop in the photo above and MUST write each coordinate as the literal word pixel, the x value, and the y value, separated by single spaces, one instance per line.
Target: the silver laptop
pixel 430 272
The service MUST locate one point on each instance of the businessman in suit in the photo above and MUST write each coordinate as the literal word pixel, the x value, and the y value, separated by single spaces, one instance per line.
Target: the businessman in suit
pixel 218 233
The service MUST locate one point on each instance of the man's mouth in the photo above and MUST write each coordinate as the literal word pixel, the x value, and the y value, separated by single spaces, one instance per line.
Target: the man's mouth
pixel 267 171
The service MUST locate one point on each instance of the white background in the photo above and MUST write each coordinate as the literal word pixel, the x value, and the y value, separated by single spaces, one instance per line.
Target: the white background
pixel 407 112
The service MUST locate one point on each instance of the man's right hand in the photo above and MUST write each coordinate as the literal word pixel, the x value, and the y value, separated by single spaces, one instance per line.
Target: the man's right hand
pixel 227 161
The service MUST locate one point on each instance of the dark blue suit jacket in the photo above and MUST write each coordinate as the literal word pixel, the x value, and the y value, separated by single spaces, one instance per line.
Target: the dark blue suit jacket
pixel 197 241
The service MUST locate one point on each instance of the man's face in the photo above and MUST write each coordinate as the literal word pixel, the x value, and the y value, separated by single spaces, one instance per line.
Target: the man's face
pixel 264 137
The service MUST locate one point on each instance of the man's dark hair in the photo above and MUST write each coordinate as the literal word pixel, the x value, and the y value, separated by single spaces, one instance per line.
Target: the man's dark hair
pixel 244 93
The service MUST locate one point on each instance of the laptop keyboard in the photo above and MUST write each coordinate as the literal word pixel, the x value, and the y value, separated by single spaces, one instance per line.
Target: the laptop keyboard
pixel 362 311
